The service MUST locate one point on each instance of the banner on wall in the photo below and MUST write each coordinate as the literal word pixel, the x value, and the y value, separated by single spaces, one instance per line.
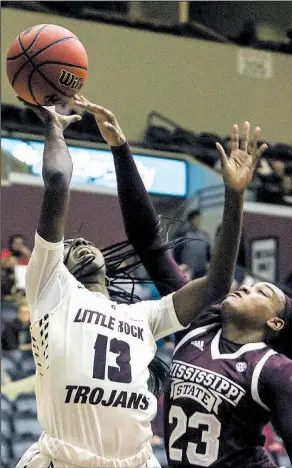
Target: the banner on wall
pixel 264 259
pixel 95 167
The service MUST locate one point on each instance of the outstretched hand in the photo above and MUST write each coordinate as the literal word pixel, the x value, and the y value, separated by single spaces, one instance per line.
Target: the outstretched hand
pixel 238 169
pixel 105 119
pixel 48 115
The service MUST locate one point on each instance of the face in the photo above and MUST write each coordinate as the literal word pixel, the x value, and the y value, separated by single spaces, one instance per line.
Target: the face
pixel 81 251
pixel 23 314
pixel 196 221
pixel 258 305
pixel 17 244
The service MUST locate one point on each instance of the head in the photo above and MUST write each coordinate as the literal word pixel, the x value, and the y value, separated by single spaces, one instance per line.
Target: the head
pixel 86 263
pixel 15 244
pixel 23 312
pixel 260 307
pixel 194 218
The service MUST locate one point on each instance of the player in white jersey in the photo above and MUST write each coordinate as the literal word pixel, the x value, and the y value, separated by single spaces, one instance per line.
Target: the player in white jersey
pixel 92 354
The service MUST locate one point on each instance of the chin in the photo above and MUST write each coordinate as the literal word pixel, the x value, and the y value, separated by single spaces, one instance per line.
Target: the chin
pixel 229 304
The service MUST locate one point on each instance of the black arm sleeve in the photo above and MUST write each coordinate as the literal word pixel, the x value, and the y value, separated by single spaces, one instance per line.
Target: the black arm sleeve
pixel 276 392
pixel 142 224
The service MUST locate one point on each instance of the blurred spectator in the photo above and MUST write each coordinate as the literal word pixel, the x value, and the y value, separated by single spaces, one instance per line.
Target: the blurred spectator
pixel 14 260
pixel 272 443
pixel 196 252
pixel 7 283
pixel 16 334
pixel 17 252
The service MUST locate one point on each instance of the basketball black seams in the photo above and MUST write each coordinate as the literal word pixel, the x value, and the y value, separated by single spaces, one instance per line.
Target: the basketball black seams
pixel 30 59
pixel 36 67
pixel 29 46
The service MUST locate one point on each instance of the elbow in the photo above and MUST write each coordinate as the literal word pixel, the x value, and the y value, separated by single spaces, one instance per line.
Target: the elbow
pixel 56 180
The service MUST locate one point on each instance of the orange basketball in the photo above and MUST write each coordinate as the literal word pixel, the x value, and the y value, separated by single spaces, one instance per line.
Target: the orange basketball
pixel 46 64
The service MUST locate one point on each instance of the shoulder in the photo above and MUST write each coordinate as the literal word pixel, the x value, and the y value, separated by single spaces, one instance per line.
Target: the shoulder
pixel 276 371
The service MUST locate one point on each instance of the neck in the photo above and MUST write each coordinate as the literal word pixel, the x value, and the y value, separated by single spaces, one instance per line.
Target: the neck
pixel 241 335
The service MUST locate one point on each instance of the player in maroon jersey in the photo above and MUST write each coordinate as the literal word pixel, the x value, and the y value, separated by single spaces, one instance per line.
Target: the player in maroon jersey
pixel 226 380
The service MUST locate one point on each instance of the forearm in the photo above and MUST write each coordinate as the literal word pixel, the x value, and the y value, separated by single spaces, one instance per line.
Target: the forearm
pixel 142 224
pixel 140 220
pixel 222 265
pixel 57 162
pixel 57 171
pixel 203 292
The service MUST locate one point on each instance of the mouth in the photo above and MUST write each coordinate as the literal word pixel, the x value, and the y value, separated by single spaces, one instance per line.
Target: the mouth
pixel 235 294
pixel 83 251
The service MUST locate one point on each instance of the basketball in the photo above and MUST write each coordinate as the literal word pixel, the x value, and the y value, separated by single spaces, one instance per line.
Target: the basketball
pixel 46 64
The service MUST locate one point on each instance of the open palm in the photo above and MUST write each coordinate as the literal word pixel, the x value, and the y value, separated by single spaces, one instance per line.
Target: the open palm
pixel 48 114
pixel 238 169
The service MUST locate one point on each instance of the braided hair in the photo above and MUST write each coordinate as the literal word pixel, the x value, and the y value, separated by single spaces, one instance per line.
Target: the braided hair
pixel 120 263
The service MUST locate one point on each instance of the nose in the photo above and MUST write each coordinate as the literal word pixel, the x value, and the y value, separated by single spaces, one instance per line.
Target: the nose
pixel 245 289
pixel 80 241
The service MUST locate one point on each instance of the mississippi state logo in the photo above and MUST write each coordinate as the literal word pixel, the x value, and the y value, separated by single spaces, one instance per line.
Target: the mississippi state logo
pixel 69 80
pixel 241 366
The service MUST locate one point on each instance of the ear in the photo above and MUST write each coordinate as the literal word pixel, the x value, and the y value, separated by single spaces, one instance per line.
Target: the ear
pixel 275 324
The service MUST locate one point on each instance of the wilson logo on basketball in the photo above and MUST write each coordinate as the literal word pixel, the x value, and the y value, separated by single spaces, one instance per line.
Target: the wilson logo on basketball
pixel 70 80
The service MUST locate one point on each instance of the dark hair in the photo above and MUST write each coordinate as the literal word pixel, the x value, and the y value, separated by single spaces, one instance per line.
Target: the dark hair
pixel 281 342
pixel 118 273
pixel 193 213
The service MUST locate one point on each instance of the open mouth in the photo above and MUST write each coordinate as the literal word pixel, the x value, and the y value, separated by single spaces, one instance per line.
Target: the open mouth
pixel 236 294
pixel 83 251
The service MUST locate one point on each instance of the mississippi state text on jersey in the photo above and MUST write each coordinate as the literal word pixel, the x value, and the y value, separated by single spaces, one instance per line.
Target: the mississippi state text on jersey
pixel 214 414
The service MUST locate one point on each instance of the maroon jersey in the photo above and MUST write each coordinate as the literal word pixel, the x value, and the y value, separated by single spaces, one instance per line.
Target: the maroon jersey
pixel 214 413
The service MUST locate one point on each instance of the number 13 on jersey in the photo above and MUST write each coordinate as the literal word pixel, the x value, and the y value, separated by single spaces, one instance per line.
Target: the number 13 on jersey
pixel 122 372
pixel 210 436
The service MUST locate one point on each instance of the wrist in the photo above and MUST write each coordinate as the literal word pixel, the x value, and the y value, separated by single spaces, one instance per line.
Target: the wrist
pixel 55 126
pixel 120 143
pixel 234 193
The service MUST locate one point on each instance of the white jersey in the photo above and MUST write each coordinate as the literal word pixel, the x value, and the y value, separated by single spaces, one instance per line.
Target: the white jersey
pixel 92 358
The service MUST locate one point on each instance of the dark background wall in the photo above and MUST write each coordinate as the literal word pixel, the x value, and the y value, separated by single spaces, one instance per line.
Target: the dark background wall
pixel 101 213
pixel 257 225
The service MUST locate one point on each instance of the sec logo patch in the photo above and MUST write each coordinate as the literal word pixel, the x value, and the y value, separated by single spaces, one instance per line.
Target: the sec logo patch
pixel 241 366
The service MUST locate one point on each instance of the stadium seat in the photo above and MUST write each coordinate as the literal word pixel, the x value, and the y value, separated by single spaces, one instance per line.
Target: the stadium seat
pixel 26 424
pixel 6 427
pixel 6 454
pixel 27 366
pixel 26 403
pixel 20 444
pixel 15 355
pixel 11 367
pixel 7 406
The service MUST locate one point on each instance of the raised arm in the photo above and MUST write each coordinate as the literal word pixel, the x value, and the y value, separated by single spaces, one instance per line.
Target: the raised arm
pixel 141 222
pixel 237 172
pixel 57 172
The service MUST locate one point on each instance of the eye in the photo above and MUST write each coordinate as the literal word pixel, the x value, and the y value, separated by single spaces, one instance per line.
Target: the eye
pixel 262 292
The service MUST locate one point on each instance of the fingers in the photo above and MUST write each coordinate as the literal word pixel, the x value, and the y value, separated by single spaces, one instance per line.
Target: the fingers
pixel 222 155
pixel 234 139
pixel 245 139
pixel 254 144
pixel 75 118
